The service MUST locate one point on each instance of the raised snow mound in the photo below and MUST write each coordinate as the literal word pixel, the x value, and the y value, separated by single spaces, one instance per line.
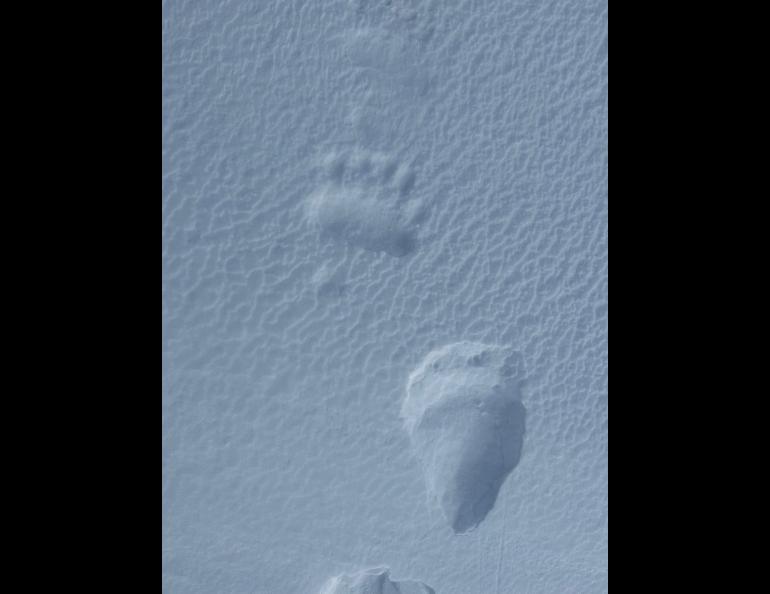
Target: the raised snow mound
pixel 465 420
pixel 373 581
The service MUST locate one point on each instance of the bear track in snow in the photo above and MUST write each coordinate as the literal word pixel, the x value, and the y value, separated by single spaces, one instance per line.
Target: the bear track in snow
pixel 365 203
pixel 465 421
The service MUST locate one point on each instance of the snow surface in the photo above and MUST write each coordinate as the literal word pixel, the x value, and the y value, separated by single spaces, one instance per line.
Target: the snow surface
pixel 349 186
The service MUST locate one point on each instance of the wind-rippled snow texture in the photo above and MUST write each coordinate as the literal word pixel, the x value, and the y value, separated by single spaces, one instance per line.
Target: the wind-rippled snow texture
pixel 286 348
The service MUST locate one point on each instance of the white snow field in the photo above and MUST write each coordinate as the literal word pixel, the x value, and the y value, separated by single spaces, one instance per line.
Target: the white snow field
pixel 354 191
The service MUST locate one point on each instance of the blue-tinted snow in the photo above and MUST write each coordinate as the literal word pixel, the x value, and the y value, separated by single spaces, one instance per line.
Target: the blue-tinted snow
pixel 349 185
